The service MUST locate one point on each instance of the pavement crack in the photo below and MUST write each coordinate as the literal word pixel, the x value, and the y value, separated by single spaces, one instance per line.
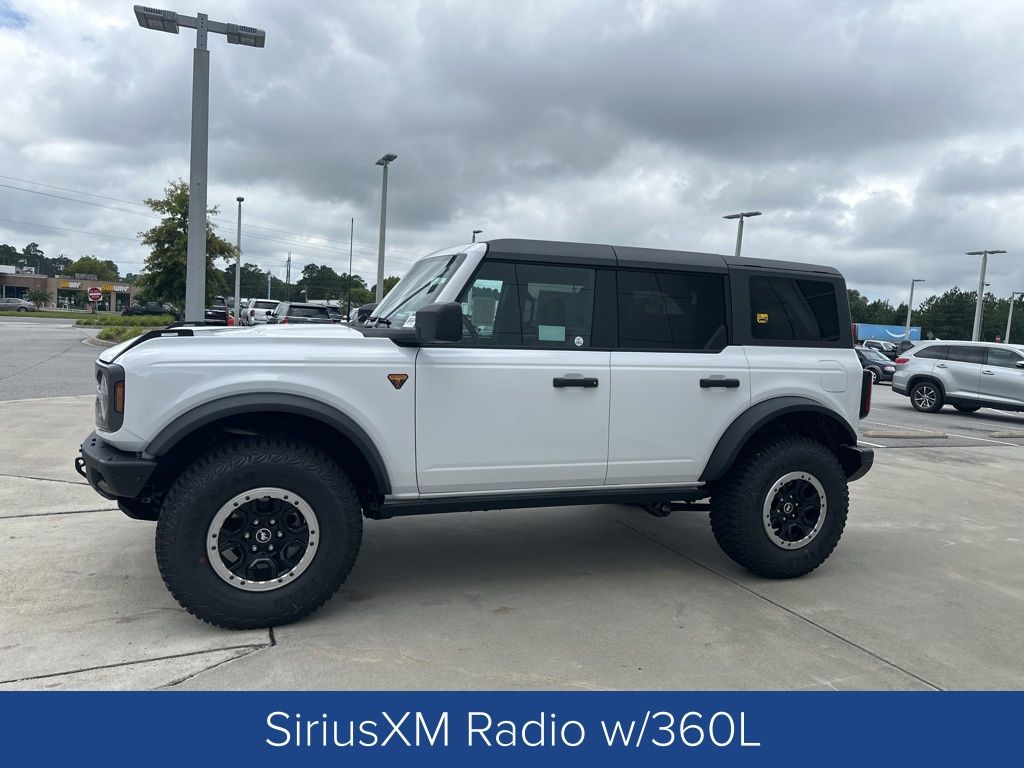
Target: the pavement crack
pixel 115 665
pixel 52 514
pixel 780 606
pixel 198 672
pixel 45 479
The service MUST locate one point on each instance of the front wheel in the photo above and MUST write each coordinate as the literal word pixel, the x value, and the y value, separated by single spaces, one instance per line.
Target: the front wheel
pixel 926 396
pixel 22 309
pixel 258 533
pixel 781 511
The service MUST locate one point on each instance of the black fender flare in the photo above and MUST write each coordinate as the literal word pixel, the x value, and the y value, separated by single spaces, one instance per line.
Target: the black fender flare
pixel 233 405
pixel 755 417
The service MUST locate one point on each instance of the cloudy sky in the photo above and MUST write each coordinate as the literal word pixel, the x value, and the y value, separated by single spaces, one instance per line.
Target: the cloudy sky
pixel 885 138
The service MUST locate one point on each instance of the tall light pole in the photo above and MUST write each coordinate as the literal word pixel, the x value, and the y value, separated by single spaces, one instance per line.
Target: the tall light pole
pixel 351 236
pixel 477 232
pixel 170 21
pixel 1009 318
pixel 238 264
pixel 976 333
pixel 739 230
pixel 383 162
pixel 910 306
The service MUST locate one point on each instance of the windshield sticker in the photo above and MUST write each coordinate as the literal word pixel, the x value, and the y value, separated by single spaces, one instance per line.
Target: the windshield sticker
pixel 551 333
pixel 762 318
pixel 578 341
pixel 410 321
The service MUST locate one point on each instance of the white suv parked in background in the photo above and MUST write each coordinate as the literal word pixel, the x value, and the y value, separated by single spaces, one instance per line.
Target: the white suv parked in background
pixel 507 374
pixel 965 374
pixel 258 311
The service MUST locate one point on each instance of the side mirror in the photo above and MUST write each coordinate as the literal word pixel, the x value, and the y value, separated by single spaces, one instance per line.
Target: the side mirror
pixel 1020 363
pixel 440 322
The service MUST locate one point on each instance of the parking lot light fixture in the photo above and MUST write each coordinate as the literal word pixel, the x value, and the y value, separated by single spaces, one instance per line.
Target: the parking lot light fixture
pixel 976 333
pixel 739 229
pixel 1009 317
pixel 910 306
pixel 477 232
pixel 384 162
pixel 163 20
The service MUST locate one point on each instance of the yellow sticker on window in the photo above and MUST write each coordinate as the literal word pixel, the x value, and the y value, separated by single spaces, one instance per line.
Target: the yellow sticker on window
pixel 762 318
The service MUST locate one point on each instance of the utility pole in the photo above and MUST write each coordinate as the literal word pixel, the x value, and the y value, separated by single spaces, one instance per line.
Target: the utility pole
pixel 268 283
pixel 238 265
pixel 976 333
pixel 351 235
pixel 1009 318
pixel 739 230
pixel 910 306
pixel 384 162
pixel 288 278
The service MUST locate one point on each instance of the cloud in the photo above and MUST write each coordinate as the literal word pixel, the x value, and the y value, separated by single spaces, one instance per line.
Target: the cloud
pixel 882 137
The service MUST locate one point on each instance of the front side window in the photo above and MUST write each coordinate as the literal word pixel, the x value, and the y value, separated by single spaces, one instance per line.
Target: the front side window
pixel 1003 358
pixel 791 309
pixel 966 354
pixel 530 305
pixel 670 310
pixel 420 286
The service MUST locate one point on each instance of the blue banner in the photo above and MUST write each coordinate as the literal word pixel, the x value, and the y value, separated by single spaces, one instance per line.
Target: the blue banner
pixel 867 331
pixel 488 728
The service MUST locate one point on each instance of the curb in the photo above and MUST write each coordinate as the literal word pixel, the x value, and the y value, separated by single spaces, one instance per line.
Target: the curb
pixel 100 342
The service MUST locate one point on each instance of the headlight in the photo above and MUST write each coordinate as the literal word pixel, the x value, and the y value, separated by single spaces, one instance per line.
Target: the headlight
pixel 109 397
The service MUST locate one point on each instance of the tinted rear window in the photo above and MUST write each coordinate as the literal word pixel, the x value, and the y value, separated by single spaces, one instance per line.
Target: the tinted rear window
pixel 266 305
pixel 307 312
pixel 790 309
pixel 671 310
pixel 932 352
pixel 966 354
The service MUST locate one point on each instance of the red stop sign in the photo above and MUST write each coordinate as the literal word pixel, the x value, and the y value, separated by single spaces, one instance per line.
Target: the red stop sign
pixel 95 294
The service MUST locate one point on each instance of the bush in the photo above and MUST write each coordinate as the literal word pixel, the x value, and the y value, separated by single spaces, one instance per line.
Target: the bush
pixel 123 332
pixel 127 321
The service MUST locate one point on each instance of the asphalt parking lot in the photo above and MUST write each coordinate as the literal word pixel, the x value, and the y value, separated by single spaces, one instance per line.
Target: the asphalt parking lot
pixel 926 590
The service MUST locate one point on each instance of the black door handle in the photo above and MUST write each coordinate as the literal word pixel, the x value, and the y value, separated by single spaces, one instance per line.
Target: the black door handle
pixel 722 383
pixel 569 381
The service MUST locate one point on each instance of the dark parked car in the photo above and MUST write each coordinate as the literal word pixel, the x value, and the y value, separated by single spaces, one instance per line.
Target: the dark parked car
pixel 152 308
pixel 362 314
pixel 881 367
pixel 886 348
pixel 288 312
pixel 336 314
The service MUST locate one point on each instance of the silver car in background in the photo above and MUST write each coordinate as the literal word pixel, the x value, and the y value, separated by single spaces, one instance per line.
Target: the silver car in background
pixel 965 374
pixel 17 305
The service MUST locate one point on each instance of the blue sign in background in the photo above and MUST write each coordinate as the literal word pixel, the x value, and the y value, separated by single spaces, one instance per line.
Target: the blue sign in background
pixel 835 729
pixel 867 331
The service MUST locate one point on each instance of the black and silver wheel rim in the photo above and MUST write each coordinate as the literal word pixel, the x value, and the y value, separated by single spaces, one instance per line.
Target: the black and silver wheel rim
pixel 925 396
pixel 874 376
pixel 262 539
pixel 794 510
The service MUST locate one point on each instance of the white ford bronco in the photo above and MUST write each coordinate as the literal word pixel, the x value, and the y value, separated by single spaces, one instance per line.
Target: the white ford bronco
pixel 497 375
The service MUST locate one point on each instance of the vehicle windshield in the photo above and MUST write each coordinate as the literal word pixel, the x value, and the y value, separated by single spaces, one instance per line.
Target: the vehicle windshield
pixel 872 354
pixel 419 287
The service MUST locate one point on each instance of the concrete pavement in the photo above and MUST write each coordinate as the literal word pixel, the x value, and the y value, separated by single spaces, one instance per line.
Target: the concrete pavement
pixel 926 590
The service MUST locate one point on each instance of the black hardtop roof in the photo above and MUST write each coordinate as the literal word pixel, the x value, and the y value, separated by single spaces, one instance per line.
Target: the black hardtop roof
pixel 641 258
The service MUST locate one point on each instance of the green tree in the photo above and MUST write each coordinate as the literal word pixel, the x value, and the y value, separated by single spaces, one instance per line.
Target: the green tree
pixel 163 276
pixel 8 254
pixel 252 284
pixel 39 297
pixel 90 265
pixel 33 256
pixel 389 283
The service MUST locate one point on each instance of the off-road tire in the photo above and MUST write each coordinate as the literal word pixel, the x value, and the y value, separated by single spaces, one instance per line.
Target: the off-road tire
pixel 927 397
pixel 193 500
pixel 967 408
pixel 737 506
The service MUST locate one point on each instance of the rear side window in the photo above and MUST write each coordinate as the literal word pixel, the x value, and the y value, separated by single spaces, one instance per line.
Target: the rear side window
pixel 671 310
pixel 790 309
pixel 932 352
pixel 966 354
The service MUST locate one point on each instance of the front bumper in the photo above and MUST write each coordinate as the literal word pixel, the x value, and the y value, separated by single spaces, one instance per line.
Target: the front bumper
pixel 113 474
pixel 856 460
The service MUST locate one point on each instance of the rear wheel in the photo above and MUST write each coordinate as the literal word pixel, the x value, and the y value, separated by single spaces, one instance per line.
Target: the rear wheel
pixel 782 509
pixel 967 408
pixel 874 375
pixel 926 396
pixel 22 309
pixel 258 533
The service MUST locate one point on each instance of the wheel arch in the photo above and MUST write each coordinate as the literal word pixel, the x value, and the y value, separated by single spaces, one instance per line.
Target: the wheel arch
pixel 916 379
pixel 270 413
pixel 793 415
